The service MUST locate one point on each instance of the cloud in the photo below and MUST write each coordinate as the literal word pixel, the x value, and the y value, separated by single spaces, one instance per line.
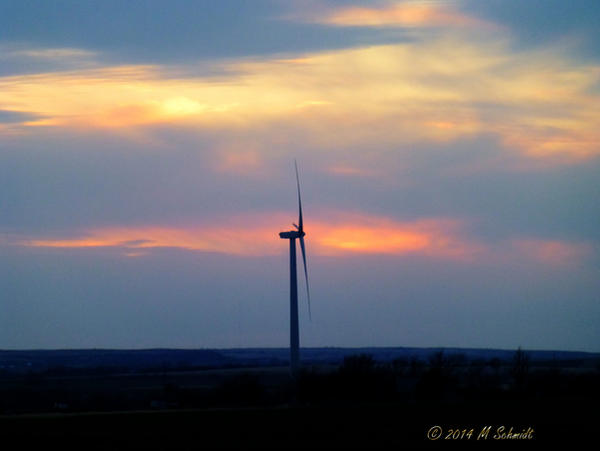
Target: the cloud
pixel 354 233
pixel 207 239
pixel 544 23
pixel 338 234
pixel 55 54
pixel 149 33
pixel 434 90
pixel 335 233
pixel 11 117
pixel 401 14
pixel 19 58
pixel 552 252
pixel 349 171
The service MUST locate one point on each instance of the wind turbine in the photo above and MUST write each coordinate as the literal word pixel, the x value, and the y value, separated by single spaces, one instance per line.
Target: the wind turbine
pixel 292 235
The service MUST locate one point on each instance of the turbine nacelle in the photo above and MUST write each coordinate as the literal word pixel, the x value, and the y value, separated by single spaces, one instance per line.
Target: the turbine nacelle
pixel 291 235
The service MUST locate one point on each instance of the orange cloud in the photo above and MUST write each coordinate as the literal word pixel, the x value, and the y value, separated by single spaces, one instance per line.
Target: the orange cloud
pixel 239 157
pixel 113 97
pixel 357 233
pixel 336 234
pixel 228 240
pixel 558 144
pixel 552 252
pixel 431 90
pixel 352 171
pixel 342 234
pixel 407 14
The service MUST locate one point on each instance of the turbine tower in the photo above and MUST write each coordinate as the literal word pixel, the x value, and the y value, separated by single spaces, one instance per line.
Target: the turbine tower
pixel 292 235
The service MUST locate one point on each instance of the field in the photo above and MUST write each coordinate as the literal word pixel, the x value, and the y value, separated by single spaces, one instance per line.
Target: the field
pixel 359 403
pixel 364 426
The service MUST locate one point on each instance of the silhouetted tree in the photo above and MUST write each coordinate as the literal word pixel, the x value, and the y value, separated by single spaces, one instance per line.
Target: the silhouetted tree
pixel 438 360
pixel 435 382
pixel 359 377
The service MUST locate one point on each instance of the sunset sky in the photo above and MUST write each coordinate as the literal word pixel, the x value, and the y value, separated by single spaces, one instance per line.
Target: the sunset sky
pixel 449 156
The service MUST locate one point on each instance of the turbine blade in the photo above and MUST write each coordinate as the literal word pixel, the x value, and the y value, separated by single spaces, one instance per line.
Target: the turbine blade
pixel 300 225
pixel 305 275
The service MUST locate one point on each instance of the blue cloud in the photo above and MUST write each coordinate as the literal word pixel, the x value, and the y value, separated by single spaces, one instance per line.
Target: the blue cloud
pixel 543 22
pixel 176 31
pixel 13 117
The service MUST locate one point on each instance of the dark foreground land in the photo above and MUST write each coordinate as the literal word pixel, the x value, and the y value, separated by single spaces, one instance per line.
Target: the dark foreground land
pixel 437 398
pixel 355 426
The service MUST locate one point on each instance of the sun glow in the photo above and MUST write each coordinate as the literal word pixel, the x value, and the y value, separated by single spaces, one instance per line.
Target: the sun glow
pixel 370 240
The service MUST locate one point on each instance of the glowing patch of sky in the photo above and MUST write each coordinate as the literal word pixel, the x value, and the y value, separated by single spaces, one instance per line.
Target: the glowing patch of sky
pixel 438 90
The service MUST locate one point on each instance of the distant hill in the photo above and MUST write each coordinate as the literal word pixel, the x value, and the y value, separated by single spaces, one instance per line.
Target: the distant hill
pixel 170 359
pixel 133 360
